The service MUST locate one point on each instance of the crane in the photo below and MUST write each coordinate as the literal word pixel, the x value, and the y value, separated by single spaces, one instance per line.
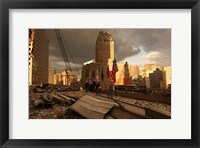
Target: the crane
pixel 62 48
pixel 64 54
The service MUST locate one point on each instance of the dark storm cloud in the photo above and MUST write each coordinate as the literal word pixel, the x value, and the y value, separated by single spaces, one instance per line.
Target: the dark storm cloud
pixel 127 42
pixel 141 39
pixel 81 44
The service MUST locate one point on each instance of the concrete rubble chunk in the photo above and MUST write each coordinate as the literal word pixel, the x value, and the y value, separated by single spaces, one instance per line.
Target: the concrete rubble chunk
pixel 92 108
pixel 69 100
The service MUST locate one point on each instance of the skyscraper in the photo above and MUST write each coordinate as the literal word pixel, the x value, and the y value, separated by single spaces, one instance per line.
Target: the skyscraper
pixel 96 70
pixel 38 56
pixel 104 47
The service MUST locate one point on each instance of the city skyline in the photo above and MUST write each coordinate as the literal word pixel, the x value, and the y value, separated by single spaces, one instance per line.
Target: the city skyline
pixel 102 90
pixel 135 46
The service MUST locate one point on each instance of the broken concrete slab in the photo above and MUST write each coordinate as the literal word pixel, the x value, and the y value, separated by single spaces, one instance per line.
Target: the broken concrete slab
pixel 92 108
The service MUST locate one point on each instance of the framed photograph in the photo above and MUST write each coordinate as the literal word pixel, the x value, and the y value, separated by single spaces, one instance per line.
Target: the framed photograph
pixel 99 74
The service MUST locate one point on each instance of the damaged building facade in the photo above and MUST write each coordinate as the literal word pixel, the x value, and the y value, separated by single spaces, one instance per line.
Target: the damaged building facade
pixel 96 70
pixel 38 56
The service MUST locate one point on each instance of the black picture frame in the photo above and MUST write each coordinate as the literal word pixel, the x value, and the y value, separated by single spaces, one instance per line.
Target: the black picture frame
pixel 5 5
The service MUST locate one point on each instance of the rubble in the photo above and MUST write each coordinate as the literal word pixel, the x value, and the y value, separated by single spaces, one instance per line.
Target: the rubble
pixel 143 103
pixel 52 102
pixel 55 102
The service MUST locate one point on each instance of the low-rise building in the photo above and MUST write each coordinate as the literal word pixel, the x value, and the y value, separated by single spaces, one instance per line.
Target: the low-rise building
pixel 51 72
pixel 64 78
pixel 155 78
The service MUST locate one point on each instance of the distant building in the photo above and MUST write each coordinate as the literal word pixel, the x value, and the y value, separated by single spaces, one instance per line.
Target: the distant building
pixel 78 76
pixel 167 76
pixel 124 75
pixel 51 75
pixel 145 73
pixel 58 79
pixel 95 70
pixel 136 71
pixel 147 83
pixel 139 82
pixel 38 56
pixel 149 67
pixel 64 78
pixel 155 78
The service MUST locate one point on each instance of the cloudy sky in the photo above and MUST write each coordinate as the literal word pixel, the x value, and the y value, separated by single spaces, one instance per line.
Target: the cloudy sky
pixel 135 46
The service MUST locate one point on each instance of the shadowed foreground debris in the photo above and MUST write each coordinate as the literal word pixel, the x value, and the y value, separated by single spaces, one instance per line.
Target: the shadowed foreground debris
pixel 61 102
pixel 52 103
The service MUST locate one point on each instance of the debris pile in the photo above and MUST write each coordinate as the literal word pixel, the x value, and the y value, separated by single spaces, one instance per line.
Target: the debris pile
pixel 52 102
pixel 144 103
pixel 62 102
